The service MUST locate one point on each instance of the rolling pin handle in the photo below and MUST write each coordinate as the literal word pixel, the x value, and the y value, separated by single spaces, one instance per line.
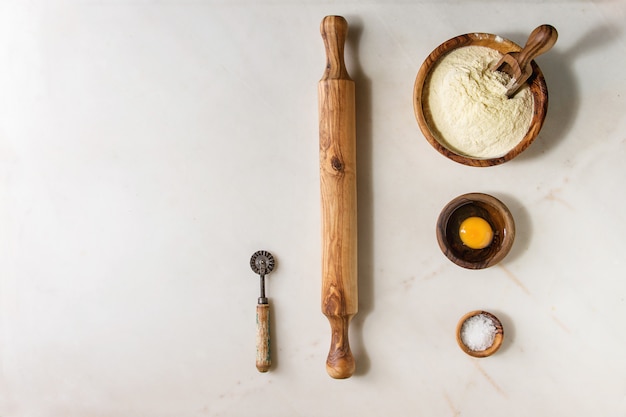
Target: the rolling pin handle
pixel 340 363
pixel 334 30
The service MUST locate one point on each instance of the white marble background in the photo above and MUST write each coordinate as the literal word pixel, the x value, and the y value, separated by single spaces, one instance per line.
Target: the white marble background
pixel 149 147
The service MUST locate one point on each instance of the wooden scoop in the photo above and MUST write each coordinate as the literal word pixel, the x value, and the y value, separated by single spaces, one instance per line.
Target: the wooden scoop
pixel 517 64
pixel 337 142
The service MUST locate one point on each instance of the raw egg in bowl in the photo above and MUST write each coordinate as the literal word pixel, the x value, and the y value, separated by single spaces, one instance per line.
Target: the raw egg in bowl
pixel 475 230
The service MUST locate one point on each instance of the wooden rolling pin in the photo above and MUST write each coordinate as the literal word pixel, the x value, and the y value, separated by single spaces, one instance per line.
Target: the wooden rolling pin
pixel 338 196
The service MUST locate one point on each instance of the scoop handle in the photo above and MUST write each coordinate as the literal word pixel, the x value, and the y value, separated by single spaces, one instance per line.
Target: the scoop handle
pixel 337 146
pixel 263 357
pixel 540 41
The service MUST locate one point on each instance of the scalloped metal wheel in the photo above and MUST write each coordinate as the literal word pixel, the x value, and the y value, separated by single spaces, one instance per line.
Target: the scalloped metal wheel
pixel 262 262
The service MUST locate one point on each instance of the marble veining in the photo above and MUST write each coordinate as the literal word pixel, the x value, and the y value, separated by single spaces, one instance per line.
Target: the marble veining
pixel 148 147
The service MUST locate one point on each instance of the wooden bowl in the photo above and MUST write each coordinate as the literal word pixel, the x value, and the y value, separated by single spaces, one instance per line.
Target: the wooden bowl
pixel 536 82
pixel 497 341
pixel 475 205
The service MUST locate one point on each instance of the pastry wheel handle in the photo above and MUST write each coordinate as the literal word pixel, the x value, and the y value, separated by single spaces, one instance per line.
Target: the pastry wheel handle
pixel 263 356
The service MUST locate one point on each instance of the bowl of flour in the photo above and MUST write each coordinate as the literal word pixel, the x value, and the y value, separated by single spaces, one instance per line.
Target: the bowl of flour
pixel 462 108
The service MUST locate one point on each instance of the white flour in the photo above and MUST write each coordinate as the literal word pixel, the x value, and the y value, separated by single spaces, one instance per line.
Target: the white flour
pixel 468 106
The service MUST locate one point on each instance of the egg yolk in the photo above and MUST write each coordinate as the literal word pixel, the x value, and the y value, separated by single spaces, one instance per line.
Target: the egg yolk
pixel 475 233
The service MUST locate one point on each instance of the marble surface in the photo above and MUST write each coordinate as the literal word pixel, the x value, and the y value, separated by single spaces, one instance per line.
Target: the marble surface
pixel 149 147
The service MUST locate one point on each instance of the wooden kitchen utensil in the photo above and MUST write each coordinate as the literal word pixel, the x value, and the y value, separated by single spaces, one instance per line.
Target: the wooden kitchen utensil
pixel 421 90
pixel 262 263
pixel 517 64
pixel 337 130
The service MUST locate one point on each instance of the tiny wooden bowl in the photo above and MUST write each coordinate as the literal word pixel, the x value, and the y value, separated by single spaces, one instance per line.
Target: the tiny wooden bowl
pixel 497 341
pixel 480 205
pixel 537 84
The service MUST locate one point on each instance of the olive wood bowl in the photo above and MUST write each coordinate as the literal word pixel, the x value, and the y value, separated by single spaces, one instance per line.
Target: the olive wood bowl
pixel 479 205
pixel 536 83
pixel 497 341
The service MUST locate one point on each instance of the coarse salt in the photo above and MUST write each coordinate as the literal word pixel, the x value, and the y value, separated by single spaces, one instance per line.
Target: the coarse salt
pixel 478 332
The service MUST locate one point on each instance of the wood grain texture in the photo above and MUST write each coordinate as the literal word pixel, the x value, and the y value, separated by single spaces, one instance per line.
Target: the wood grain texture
pixel 517 64
pixel 263 354
pixel 536 83
pixel 497 341
pixel 486 207
pixel 540 41
pixel 337 146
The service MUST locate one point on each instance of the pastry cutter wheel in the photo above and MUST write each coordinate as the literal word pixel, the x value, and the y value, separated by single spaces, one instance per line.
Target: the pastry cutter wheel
pixel 262 263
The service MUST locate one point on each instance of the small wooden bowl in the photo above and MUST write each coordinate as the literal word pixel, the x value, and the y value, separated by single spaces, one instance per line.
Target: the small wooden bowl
pixel 479 205
pixel 537 84
pixel 497 341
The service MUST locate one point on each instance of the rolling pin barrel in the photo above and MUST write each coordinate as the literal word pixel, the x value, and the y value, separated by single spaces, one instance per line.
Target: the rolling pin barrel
pixel 337 142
